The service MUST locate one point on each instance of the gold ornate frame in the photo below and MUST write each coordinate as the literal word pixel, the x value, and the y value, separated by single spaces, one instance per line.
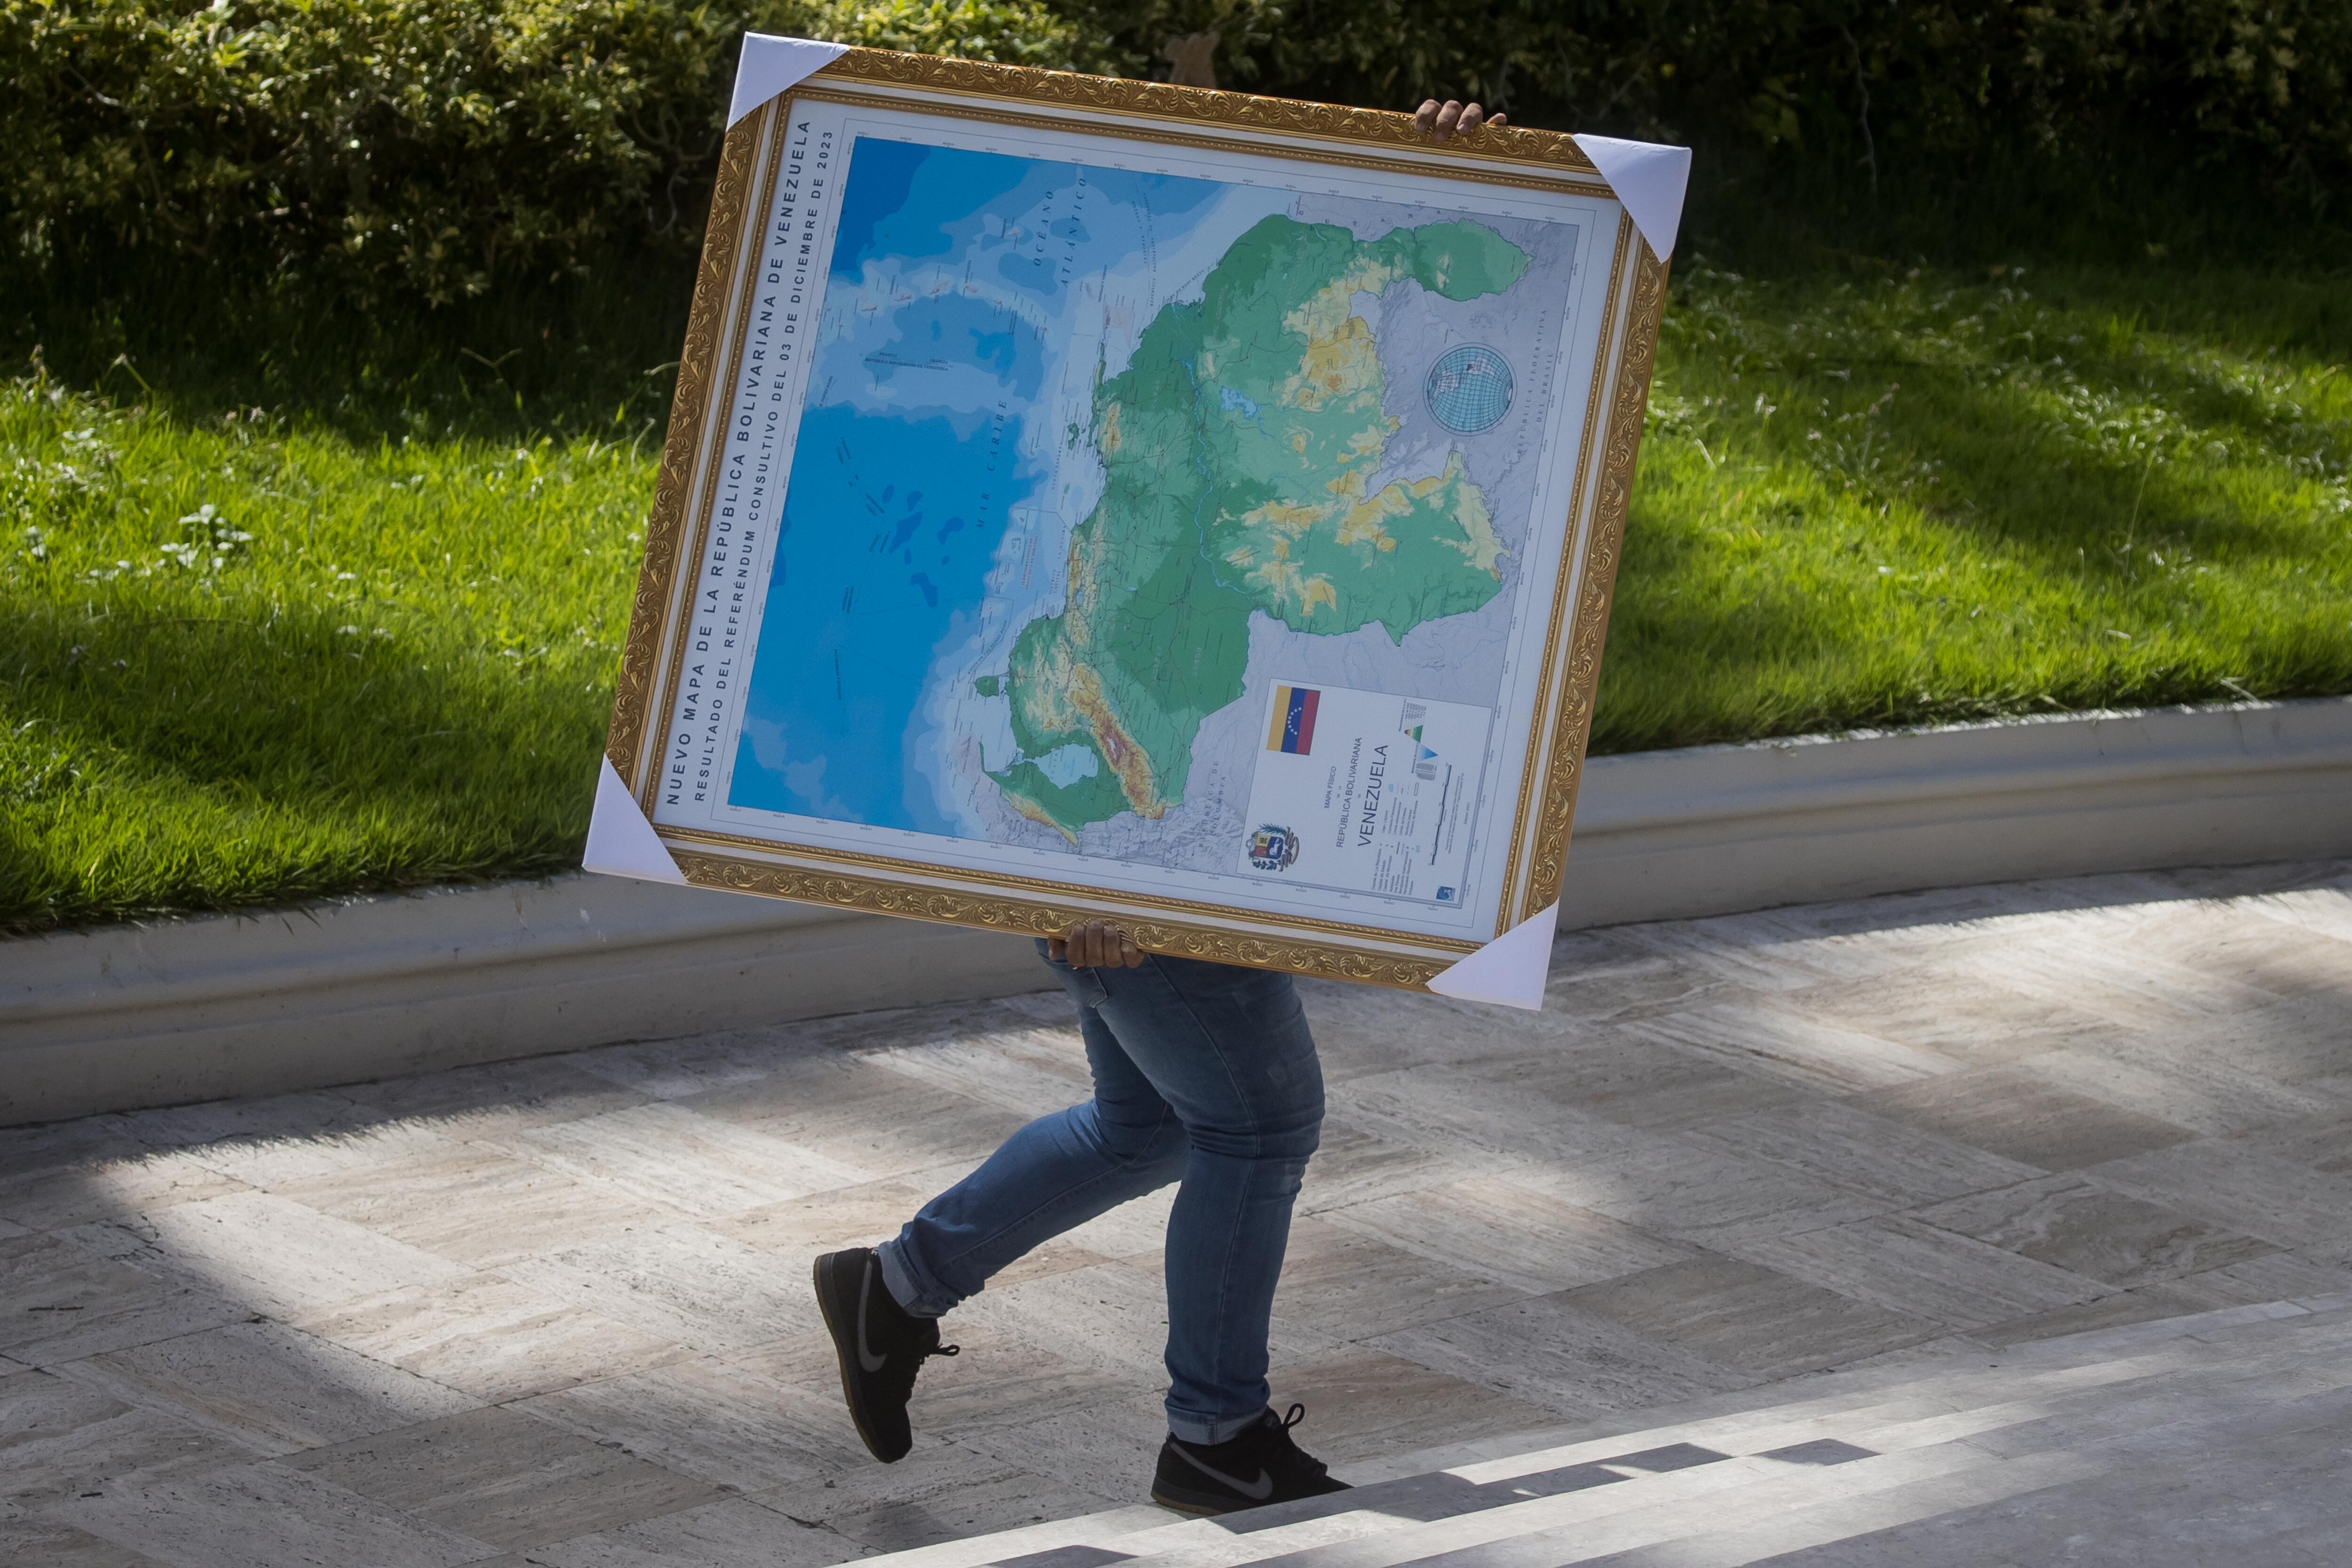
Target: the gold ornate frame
pixel 1360 137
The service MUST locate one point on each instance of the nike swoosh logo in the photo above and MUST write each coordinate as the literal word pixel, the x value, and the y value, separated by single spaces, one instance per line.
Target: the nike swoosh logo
pixel 1257 1490
pixel 866 1358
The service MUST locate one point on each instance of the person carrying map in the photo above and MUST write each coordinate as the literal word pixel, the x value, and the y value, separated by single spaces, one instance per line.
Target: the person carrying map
pixel 1204 1075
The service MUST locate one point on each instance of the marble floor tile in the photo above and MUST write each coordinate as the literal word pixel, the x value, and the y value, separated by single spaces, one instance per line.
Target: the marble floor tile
pixel 359 1141
pixel 1113 1316
pixel 50 1545
pixel 681 1283
pixel 1105 1449
pixel 486 1336
pixel 670 1070
pixel 2248 1191
pixel 266 1118
pixel 2016 1113
pixel 474 1205
pixel 1025 1071
pixel 1546 1352
pixel 1748 1317
pixel 102 1189
pixel 1353 1166
pixel 2279 1277
pixel 864 1114
pixel 1952 1009
pixel 974 1508
pixel 670 1156
pixel 999 1380
pixel 1807 1053
pixel 719 1422
pixel 1920 1271
pixel 1365 1405
pixel 736 1533
pixel 494 1098
pixel 1879 1157
pixel 2182 1076
pixel 263 1516
pixel 497 1476
pixel 49 1147
pixel 1638 1082
pixel 58 1303
pixel 2074 1223
pixel 886 1506
pixel 1489 1228
pixel 2145 1304
pixel 61 1439
pixel 1353 1284
pixel 1668 1187
pixel 274 1390
pixel 264 1252
pixel 861 1216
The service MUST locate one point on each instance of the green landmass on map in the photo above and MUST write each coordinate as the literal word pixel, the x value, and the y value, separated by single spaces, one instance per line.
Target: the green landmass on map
pixel 986 686
pixel 1238 445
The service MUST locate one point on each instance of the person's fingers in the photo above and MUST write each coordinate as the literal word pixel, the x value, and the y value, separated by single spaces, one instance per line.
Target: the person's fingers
pixel 1082 945
pixel 1498 119
pixel 1128 953
pixel 1448 117
pixel 1058 949
pixel 1425 117
pixel 1472 116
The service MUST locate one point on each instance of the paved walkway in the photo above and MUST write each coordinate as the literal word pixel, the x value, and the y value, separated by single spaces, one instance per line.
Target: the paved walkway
pixel 557 1312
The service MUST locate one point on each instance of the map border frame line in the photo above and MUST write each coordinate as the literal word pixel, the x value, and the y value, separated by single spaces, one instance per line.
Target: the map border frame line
pixel 1207 110
pixel 720 293
pixel 1401 970
pixel 1590 622
pixel 1569 576
pixel 678 535
pixel 1597 189
pixel 1041 886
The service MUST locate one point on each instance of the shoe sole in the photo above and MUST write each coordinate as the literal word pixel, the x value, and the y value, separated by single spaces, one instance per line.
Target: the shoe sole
pixel 842 1351
pixel 1196 1509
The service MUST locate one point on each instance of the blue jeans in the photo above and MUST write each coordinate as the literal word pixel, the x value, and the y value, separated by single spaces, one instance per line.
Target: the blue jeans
pixel 1203 1074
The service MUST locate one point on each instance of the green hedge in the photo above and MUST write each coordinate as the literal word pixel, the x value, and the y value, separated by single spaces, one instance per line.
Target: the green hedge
pixel 430 151
pixel 425 149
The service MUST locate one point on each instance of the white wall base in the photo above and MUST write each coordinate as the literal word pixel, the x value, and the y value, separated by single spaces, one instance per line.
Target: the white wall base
pixel 178 1010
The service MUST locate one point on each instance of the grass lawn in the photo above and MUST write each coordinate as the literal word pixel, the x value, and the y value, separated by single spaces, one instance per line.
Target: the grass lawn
pixel 248 658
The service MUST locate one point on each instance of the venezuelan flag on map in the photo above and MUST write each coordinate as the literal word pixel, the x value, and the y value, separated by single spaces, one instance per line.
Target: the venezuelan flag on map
pixel 1293 729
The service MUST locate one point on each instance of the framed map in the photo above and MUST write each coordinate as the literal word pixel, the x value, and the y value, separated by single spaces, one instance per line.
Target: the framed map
pixel 1101 499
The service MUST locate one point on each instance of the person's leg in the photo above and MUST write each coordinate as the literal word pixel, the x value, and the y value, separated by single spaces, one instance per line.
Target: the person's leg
pixel 1058 1171
pixel 1230 1050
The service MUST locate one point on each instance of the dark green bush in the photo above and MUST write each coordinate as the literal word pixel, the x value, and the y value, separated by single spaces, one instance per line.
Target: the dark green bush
pixel 377 155
pixel 417 149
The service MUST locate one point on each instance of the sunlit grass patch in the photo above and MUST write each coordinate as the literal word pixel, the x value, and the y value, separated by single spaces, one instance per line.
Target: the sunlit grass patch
pixel 245 664
pixel 1921 500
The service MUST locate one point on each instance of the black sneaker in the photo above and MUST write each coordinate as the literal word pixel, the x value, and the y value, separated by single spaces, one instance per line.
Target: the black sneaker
pixel 880 1345
pixel 1261 1465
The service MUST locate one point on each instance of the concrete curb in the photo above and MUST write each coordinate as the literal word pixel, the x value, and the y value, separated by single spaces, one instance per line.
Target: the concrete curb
pixel 156 1014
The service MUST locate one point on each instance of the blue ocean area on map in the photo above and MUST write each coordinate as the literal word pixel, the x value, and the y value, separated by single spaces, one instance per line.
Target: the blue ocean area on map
pixel 870 578
pixel 874 582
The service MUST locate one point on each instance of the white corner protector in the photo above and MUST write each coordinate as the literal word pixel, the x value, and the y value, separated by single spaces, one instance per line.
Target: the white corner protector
pixel 1649 178
pixel 621 842
pixel 1509 970
pixel 771 65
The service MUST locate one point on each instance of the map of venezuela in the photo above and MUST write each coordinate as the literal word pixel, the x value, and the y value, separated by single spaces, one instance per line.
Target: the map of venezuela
pixel 1238 444
pixel 1090 459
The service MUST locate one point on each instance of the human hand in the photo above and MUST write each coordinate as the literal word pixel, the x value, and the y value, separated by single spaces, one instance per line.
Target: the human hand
pixel 1452 119
pixel 1095 944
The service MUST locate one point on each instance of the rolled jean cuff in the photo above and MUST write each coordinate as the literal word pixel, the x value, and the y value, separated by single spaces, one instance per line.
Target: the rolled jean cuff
pixel 908 1288
pixel 1201 1432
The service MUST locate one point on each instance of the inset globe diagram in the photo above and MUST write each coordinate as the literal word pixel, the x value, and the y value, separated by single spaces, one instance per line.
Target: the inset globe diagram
pixel 1469 389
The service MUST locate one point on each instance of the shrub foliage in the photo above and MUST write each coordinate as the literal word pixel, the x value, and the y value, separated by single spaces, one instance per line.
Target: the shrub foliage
pixel 429 151
pixel 425 149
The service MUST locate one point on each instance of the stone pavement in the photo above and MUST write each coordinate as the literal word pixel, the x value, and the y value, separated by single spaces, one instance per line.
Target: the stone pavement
pixel 556 1311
